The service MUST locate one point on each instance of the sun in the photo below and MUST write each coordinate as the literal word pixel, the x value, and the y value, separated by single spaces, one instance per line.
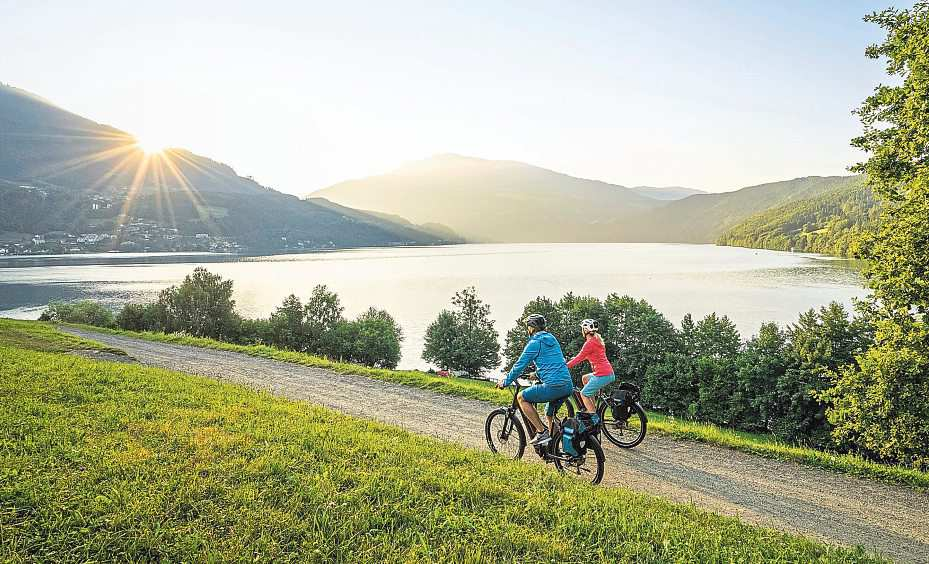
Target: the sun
pixel 150 145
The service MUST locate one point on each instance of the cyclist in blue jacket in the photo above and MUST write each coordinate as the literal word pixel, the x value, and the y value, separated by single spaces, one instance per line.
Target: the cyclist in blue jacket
pixel 544 350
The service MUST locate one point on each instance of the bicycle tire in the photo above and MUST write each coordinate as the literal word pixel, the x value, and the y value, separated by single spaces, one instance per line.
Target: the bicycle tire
pixel 570 468
pixel 493 434
pixel 614 429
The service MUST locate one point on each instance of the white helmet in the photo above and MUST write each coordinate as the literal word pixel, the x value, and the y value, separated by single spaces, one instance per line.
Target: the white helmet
pixel 590 325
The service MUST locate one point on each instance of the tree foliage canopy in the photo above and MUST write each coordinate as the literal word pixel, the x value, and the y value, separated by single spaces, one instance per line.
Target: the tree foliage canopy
pixel 464 337
pixel 881 405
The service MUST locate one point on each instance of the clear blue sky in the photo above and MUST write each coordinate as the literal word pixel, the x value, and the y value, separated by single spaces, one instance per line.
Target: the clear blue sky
pixel 712 95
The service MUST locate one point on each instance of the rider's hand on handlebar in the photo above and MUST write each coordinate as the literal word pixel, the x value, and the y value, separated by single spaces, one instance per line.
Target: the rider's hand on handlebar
pixel 500 382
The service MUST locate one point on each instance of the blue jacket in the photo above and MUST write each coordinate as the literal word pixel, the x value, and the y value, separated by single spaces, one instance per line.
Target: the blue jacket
pixel 544 350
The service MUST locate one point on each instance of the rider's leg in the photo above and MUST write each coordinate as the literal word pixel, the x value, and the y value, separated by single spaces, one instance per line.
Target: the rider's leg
pixel 531 414
pixel 553 407
pixel 593 385
pixel 590 405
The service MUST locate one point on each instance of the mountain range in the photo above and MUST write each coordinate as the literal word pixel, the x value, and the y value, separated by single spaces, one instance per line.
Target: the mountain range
pixel 491 201
pixel 666 192
pixel 60 172
pixel 64 174
pixel 506 201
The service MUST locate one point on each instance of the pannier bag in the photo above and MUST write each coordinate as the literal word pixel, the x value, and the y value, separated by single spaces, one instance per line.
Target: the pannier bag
pixel 572 436
pixel 623 400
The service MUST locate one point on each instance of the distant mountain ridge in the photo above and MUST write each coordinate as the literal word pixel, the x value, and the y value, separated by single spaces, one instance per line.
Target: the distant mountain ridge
pixel 666 192
pixel 492 201
pixel 60 172
pixel 703 218
pixel 508 201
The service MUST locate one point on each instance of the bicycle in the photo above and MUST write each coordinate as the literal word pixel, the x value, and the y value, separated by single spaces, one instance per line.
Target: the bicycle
pixel 506 435
pixel 622 418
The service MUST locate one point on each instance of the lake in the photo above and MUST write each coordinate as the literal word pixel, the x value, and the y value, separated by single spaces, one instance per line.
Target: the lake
pixel 415 283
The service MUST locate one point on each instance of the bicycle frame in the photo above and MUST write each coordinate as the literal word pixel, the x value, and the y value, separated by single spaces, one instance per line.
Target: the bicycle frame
pixel 600 399
pixel 544 452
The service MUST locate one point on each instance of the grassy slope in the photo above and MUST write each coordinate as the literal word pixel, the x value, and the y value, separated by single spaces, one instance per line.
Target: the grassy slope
pixel 100 461
pixel 36 335
pixel 762 445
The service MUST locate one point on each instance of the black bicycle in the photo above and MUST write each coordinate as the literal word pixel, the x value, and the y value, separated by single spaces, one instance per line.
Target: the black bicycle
pixel 622 418
pixel 506 435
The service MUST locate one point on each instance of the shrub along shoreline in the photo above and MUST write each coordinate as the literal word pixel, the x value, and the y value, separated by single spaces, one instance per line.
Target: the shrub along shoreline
pixel 754 443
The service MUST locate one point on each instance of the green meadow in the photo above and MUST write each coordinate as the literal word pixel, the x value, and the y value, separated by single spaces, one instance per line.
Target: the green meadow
pixel 758 444
pixel 104 461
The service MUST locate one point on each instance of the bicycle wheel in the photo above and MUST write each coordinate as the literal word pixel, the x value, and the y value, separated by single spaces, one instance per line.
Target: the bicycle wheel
pixel 587 467
pixel 623 433
pixel 504 434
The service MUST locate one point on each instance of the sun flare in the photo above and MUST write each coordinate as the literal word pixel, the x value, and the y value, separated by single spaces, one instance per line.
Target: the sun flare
pixel 151 146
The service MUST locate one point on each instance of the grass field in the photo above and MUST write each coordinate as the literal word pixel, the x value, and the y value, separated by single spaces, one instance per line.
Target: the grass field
pixel 36 335
pixel 102 461
pixel 762 445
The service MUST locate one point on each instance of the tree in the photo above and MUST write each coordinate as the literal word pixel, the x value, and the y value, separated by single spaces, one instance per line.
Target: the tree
pixel 691 373
pixel 716 388
pixel 819 344
pixel 671 385
pixel 880 405
pixel 764 358
pixel 880 408
pixel 686 334
pixel 829 338
pixel 202 306
pixel 287 325
pixel 378 338
pixel 715 337
pixel 463 338
pixel 637 336
pixel 441 341
pixel 715 344
pixel 322 313
pixel 131 317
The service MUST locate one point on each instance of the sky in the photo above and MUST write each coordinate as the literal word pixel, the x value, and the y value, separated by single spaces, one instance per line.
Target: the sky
pixel 301 95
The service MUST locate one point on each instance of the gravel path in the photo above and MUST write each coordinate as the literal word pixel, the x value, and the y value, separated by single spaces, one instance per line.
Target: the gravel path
pixel 824 505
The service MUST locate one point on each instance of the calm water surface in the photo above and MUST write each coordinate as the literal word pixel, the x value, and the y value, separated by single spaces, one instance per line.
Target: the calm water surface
pixel 414 284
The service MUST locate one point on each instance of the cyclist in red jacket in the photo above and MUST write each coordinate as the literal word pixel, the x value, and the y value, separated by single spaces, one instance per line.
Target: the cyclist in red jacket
pixel 593 351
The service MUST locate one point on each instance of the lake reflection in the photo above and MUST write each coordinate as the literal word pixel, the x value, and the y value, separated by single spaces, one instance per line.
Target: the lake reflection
pixel 750 286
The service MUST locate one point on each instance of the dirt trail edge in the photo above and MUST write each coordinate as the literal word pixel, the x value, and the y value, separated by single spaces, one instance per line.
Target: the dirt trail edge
pixel 836 508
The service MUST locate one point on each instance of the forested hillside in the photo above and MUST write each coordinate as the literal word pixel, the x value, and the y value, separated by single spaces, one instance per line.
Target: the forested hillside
pixel 503 201
pixel 703 218
pixel 827 224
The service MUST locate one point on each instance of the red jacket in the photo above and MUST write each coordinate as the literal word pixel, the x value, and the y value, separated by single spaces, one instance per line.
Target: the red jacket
pixel 594 352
